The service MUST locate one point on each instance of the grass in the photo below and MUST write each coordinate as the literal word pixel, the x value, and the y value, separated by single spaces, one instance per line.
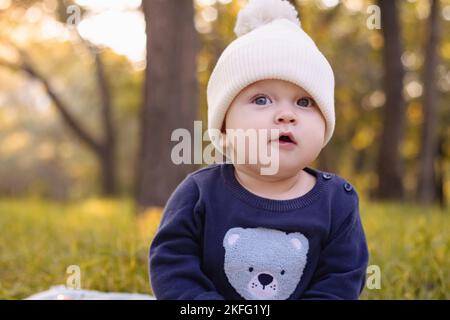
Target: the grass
pixel 40 240
pixel 411 245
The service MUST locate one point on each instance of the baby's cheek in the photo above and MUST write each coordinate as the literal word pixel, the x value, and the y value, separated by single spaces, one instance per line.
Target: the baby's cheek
pixel 310 144
pixel 314 132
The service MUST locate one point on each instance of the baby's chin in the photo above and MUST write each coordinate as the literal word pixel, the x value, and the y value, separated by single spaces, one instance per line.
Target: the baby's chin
pixel 288 168
pixel 283 164
pixel 285 168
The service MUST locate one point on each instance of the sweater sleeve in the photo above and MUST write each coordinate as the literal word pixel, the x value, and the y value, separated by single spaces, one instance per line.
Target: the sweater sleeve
pixel 175 252
pixel 341 271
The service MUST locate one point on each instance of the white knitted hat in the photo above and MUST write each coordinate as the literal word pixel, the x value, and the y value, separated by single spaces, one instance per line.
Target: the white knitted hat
pixel 271 45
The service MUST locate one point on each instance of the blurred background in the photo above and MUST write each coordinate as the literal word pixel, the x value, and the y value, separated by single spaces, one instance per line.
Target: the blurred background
pixel 90 92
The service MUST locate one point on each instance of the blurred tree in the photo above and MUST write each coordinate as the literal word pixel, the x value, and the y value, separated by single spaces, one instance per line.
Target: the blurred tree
pixel 390 163
pixel 170 97
pixel 426 190
pixel 104 149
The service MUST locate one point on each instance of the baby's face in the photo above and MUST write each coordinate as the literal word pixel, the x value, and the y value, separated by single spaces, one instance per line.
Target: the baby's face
pixel 277 104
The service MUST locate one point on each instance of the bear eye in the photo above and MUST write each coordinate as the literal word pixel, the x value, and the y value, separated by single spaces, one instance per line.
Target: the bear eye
pixel 282 272
pixel 250 269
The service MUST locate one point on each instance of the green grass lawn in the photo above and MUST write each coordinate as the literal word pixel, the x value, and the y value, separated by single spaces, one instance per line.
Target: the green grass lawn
pixel 39 240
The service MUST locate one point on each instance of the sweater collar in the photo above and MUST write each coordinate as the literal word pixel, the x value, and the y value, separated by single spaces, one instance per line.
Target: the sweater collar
pixel 227 170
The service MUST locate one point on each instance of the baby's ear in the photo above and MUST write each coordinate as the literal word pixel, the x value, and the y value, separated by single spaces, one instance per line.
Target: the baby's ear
pixel 298 241
pixel 222 139
pixel 224 145
pixel 223 130
pixel 232 237
pixel 223 134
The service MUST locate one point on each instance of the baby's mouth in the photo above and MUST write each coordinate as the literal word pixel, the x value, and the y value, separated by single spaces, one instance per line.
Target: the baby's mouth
pixel 286 138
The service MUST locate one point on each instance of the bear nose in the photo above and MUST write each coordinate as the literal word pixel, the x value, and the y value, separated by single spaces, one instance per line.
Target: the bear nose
pixel 265 279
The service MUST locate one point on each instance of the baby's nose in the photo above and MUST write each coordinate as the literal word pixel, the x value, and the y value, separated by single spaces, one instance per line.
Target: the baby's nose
pixel 286 117
pixel 265 279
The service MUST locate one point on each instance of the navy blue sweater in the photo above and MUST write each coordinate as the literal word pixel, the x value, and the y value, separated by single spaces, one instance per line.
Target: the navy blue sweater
pixel 217 240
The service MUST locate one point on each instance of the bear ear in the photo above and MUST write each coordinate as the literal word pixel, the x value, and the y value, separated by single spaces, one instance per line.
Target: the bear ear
pixel 298 241
pixel 231 237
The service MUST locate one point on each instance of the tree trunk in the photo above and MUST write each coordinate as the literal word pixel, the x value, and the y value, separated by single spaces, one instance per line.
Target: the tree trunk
pixel 390 163
pixel 107 163
pixel 170 97
pixel 107 154
pixel 426 191
pixel 441 175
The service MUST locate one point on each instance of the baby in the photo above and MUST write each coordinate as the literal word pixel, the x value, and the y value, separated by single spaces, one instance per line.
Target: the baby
pixel 230 232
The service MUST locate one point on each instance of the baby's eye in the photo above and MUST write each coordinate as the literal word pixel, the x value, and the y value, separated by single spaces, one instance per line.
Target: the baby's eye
pixel 261 100
pixel 305 102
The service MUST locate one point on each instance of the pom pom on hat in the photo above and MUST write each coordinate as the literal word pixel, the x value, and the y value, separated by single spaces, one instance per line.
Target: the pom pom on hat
pixel 260 12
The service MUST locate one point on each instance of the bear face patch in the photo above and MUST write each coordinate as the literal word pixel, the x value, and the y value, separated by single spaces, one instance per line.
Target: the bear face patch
pixel 264 264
